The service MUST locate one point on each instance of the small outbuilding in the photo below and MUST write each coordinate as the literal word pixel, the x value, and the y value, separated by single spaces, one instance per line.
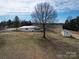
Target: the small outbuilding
pixel 29 28
pixel 66 33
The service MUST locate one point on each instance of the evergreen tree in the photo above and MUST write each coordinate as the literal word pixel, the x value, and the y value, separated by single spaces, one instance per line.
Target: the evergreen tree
pixel 9 23
pixel 16 22
pixel 73 24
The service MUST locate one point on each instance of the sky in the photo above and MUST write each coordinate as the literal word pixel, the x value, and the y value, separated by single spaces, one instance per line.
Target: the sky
pixel 23 8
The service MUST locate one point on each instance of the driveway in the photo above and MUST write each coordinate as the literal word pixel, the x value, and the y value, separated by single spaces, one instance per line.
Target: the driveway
pixel 75 34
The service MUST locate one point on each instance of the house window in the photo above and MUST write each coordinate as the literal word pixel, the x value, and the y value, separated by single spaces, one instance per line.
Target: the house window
pixel 37 29
pixel 26 28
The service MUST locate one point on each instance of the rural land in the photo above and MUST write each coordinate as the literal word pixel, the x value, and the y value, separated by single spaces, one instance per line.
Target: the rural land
pixel 39 29
pixel 31 45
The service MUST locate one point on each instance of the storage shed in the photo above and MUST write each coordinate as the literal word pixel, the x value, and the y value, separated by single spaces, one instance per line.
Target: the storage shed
pixel 66 33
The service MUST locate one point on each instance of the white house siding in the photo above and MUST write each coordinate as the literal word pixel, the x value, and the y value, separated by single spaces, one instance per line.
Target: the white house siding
pixel 29 28
pixel 24 29
pixel 66 33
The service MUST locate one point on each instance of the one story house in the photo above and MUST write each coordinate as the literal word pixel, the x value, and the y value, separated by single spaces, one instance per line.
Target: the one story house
pixel 29 28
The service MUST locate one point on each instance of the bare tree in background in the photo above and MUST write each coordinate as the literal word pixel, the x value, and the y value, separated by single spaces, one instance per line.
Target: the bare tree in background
pixel 44 14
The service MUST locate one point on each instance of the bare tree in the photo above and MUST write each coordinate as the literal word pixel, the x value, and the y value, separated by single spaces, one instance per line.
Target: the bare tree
pixel 44 14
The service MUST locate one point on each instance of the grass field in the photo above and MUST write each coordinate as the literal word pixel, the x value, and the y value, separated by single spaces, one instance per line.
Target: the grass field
pixel 31 45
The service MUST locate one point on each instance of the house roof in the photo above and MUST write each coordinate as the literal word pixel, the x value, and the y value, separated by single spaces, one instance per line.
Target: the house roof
pixel 29 27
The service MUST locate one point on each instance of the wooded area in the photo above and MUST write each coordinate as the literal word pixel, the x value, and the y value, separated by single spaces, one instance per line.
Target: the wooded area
pixel 72 24
pixel 14 23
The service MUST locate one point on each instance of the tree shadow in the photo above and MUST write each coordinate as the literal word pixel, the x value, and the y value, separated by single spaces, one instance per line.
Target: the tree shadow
pixel 42 42
pixel 57 46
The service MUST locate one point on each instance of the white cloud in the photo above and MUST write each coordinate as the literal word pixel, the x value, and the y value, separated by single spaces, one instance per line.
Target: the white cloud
pixel 17 5
pixel 67 5
pixel 28 5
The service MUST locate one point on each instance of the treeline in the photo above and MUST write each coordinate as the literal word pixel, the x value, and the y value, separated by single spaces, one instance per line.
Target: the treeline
pixel 72 24
pixel 14 23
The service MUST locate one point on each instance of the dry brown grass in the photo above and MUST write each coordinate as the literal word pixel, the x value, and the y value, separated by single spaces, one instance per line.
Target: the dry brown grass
pixel 66 48
pixel 20 45
pixel 31 45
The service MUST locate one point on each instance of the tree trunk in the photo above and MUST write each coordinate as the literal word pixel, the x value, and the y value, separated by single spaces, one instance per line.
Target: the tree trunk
pixel 44 31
